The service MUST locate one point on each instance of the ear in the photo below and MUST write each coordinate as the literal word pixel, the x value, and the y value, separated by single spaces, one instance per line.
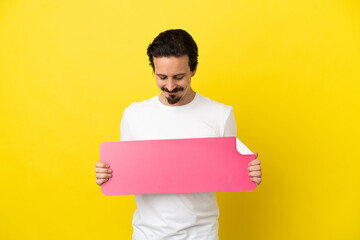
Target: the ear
pixel 193 72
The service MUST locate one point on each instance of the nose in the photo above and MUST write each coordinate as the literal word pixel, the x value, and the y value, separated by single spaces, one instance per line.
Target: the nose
pixel 171 85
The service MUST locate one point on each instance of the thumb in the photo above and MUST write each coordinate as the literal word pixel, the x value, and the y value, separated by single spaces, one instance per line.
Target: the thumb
pixel 256 155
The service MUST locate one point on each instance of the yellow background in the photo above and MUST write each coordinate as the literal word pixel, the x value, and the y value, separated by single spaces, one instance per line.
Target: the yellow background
pixel 290 69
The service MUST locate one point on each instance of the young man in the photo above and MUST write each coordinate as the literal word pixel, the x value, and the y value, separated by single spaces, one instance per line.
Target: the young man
pixel 178 112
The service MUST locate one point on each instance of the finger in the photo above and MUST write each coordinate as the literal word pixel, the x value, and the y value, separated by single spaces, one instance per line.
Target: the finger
pixel 256 179
pixel 256 155
pixel 101 181
pixel 101 176
pixel 254 168
pixel 255 162
pixel 255 174
pixel 101 165
pixel 103 170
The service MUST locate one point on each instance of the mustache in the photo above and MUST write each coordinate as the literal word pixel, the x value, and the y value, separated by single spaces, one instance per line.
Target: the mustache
pixel 173 91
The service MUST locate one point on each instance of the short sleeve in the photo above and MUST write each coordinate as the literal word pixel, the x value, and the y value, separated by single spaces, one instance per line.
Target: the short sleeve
pixel 125 133
pixel 230 125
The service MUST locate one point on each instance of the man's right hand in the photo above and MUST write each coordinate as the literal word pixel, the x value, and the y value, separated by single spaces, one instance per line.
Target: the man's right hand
pixel 103 172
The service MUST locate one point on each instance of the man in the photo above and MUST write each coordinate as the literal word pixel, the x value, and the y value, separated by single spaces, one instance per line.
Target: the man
pixel 178 112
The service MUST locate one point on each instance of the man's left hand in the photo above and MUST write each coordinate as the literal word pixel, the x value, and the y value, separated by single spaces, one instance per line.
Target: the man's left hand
pixel 255 170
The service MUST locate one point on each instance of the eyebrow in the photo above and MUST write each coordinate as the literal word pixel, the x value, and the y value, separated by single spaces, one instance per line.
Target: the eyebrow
pixel 176 75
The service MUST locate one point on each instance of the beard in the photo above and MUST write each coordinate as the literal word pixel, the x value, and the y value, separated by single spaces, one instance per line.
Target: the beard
pixel 173 99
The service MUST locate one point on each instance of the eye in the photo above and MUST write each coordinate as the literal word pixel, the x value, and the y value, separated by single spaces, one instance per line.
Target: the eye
pixel 179 78
pixel 162 77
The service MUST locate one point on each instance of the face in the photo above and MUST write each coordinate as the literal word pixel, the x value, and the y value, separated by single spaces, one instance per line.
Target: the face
pixel 173 77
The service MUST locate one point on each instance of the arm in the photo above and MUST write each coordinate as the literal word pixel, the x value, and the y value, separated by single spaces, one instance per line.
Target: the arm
pixel 103 171
pixel 254 166
pixel 230 125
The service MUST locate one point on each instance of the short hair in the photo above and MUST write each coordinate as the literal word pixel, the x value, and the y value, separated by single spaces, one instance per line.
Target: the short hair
pixel 173 42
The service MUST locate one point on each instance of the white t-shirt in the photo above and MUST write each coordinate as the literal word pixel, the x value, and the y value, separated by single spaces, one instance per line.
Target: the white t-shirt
pixel 181 215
